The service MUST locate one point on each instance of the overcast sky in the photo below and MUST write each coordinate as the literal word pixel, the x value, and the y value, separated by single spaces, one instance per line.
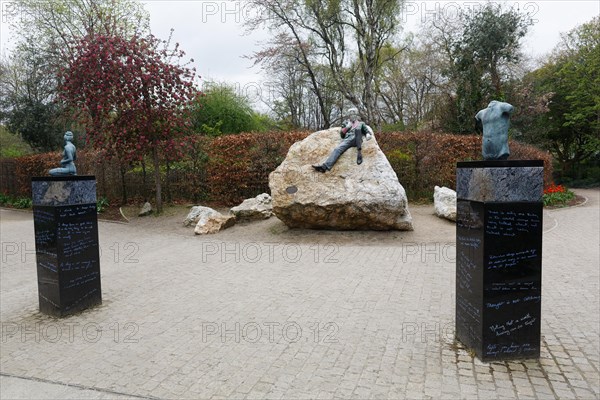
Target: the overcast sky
pixel 212 32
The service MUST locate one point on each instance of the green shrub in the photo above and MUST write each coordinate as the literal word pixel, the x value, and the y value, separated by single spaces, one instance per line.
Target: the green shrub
pixel 220 110
pixel 11 145
pixel 102 204
pixel 4 199
pixel 15 202
pixel 23 202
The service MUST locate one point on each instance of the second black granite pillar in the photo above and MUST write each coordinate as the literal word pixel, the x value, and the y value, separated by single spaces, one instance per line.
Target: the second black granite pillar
pixel 499 258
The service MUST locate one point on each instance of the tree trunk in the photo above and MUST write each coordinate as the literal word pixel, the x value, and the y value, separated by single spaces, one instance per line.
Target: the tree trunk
pixel 313 79
pixel 167 182
pixel 496 81
pixel 123 171
pixel 103 179
pixel 157 179
pixel 144 181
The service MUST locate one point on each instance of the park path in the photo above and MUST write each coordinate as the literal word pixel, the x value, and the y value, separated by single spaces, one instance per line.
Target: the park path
pixel 274 315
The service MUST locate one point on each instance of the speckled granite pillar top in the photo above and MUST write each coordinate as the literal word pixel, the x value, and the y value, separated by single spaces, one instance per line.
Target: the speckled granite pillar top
pixel 500 181
pixel 63 190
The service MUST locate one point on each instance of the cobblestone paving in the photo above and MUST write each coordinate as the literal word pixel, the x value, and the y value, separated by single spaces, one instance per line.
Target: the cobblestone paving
pixel 195 317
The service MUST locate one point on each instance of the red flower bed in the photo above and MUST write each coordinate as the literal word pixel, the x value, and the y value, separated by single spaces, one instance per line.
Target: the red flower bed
pixel 555 189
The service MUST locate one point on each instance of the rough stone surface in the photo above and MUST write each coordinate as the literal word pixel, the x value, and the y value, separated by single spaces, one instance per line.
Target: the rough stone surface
pixel 208 220
pixel 500 184
pixel 444 202
pixel 259 207
pixel 198 212
pixel 349 197
pixel 214 224
pixel 146 210
pixel 62 191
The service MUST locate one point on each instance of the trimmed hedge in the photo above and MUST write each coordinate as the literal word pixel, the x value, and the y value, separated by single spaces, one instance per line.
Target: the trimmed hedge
pixel 239 165
pixel 88 163
pixel 230 168
pixel 423 160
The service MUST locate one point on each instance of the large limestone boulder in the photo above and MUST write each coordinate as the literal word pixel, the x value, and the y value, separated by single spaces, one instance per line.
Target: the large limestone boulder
pixel 444 203
pixel 259 207
pixel 350 196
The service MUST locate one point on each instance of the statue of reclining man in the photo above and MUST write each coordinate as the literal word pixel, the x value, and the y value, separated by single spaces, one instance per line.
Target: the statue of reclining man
pixel 352 133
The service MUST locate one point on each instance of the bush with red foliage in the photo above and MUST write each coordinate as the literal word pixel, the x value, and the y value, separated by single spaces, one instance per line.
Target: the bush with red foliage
pixel 227 169
pixel 239 165
pixel 33 165
pixel 131 94
pixel 26 167
pixel 423 160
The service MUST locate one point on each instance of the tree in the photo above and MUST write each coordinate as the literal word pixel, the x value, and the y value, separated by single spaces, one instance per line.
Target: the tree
pixel 289 42
pixel 374 24
pixel 569 81
pixel 491 41
pixel 46 33
pixel 319 29
pixel 301 89
pixel 26 105
pixel 220 110
pixel 36 123
pixel 482 53
pixel 130 97
pixel 409 85
pixel 52 27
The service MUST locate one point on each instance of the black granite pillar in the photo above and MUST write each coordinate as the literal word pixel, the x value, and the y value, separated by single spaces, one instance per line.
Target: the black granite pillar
pixel 499 258
pixel 66 243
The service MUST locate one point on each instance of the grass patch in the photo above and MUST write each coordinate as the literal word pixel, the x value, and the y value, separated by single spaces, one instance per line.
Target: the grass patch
pixel 11 145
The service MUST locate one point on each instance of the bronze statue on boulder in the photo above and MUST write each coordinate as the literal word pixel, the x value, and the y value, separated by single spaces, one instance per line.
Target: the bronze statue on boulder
pixel 352 134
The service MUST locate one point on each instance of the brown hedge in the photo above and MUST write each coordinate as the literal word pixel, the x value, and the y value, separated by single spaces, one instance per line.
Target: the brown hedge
pixel 238 166
pixel 33 165
pixel 423 160
pixel 88 162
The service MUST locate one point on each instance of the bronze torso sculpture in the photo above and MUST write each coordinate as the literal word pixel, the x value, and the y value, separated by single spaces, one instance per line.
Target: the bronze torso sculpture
pixel 495 120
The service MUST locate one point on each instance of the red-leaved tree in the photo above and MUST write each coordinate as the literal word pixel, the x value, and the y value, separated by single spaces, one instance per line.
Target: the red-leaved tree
pixel 132 97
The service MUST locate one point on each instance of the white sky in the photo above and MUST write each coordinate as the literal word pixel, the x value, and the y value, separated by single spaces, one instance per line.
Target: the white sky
pixel 212 33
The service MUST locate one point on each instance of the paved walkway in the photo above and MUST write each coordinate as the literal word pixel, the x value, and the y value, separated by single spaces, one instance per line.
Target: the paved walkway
pixel 206 317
